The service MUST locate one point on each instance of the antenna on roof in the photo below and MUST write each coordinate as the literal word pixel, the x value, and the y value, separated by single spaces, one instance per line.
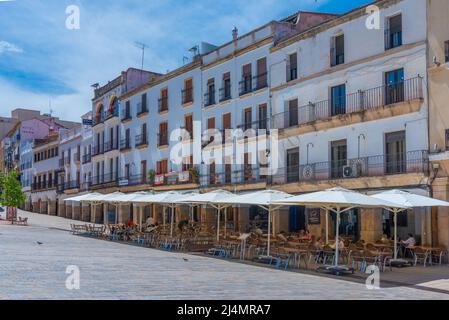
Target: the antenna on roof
pixel 142 47
pixel 184 60
pixel 49 106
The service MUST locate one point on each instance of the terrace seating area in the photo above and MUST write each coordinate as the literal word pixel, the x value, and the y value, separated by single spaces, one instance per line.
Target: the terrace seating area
pixel 295 251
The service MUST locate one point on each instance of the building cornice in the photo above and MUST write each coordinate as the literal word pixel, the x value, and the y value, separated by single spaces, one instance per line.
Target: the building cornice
pixel 173 74
pixel 349 16
pixel 348 65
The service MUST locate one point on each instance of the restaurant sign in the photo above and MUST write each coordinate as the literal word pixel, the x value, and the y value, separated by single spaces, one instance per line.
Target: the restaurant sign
pixel 313 216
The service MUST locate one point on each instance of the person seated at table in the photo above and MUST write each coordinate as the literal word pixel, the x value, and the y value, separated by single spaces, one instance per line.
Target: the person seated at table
pixel 182 224
pixel 341 245
pixel 318 243
pixel 150 222
pixel 307 235
pixel 130 223
pixel 410 242
pixel 384 239
pixel 301 234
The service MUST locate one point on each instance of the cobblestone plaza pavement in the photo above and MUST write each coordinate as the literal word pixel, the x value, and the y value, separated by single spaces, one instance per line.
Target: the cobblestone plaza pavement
pixel 110 270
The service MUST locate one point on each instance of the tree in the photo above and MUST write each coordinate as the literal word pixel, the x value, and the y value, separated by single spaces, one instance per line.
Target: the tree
pixel 12 195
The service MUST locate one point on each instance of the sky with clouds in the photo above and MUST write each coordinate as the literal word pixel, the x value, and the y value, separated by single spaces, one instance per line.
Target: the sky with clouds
pixel 42 60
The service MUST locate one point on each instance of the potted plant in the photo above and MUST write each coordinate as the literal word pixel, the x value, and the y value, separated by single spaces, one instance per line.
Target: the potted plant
pixel 194 174
pixel 151 175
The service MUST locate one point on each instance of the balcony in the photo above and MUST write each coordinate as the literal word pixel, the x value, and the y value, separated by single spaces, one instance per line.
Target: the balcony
pixel 70 185
pixel 163 104
pixel 209 98
pixel 67 161
pixel 133 180
pixel 85 186
pixel 87 158
pixel 43 185
pixel 98 119
pixel 393 39
pixel 225 93
pixel 337 57
pixel 246 85
pixel 110 146
pixel 112 113
pixel 61 163
pixel 372 166
pixel 260 126
pixel 247 174
pixel 60 188
pixel 97 150
pixel 141 140
pixel 260 81
pixel 110 179
pixel 77 157
pixel 125 144
pixel 292 73
pixel 369 99
pixel 142 109
pixel 174 178
pixel 187 95
pixel 126 117
pixel 162 140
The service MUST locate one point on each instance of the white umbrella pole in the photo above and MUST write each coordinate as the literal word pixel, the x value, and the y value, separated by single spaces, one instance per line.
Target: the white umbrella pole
pixel 171 224
pixel 269 230
pixel 336 237
pixel 163 215
pixel 116 213
pixel 225 220
pixel 140 218
pixel 395 221
pixel 218 225
pixel 327 226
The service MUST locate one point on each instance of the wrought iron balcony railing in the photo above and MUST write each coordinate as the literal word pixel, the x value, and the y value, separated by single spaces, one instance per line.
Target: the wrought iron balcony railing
pixel 369 99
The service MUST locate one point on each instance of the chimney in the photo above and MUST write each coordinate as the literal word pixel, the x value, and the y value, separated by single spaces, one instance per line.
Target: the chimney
pixel 235 33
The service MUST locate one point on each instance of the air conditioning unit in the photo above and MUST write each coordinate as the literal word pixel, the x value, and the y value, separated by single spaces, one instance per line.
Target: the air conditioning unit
pixel 347 172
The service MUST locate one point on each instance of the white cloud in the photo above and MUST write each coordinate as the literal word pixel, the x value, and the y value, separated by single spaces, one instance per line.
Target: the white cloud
pixel 9 47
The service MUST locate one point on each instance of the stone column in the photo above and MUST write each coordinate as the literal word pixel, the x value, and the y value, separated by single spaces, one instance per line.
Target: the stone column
pixel 85 213
pixel 61 210
pixel 440 189
pixel 68 211
pixel 44 207
pixel 76 214
pixel 371 228
pixel 52 207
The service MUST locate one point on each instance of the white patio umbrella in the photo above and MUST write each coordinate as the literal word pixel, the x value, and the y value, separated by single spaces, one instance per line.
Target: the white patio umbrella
pixel 169 199
pixel 263 199
pixel 83 197
pixel 337 200
pixel 406 200
pixel 93 199
pixel 216 199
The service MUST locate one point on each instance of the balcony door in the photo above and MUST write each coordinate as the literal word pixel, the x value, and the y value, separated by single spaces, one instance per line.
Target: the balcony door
pixel 248 118
pixel 262 117
pixel 338 158
pixel 292 165
pixel 226 125
pixel 262 73
pixel 394 86
pixel 293 113
pixel 395 152
pixel 338 100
